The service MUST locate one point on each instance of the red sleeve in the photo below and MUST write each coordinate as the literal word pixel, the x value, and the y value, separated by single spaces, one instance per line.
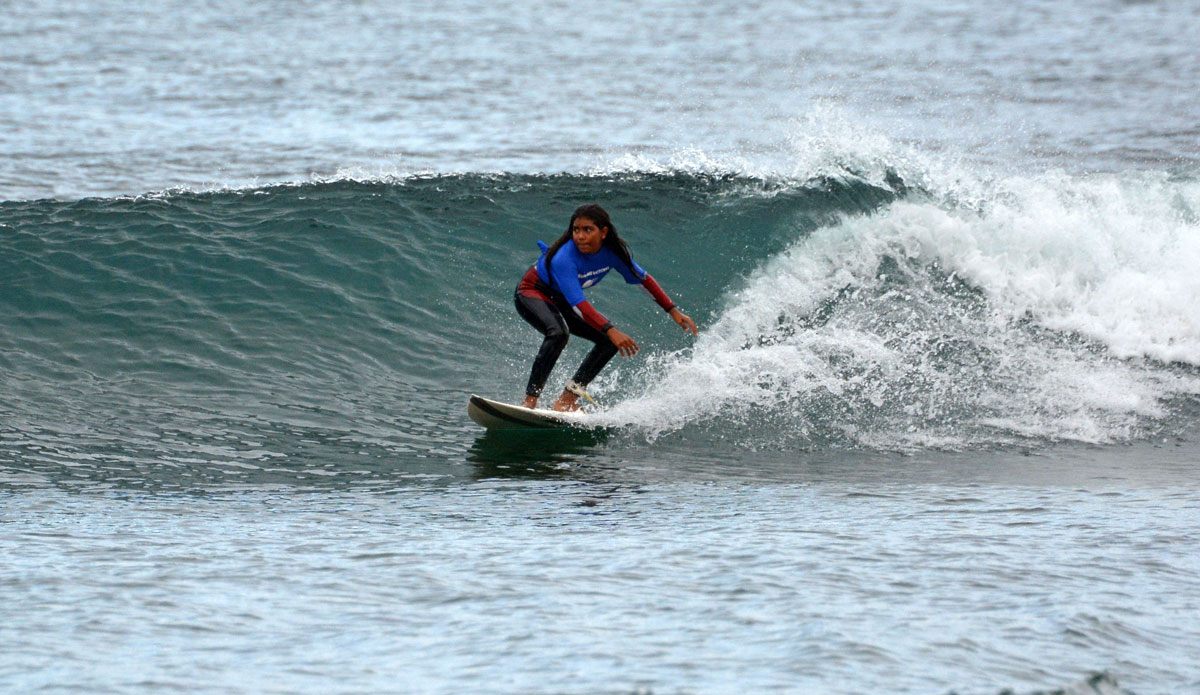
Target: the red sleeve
pixel 656 291
pixel 594 318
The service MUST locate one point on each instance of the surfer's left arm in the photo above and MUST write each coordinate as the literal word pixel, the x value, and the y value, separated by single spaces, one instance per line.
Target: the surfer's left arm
pixel 634 274
pixel 660 297
pixel 685 322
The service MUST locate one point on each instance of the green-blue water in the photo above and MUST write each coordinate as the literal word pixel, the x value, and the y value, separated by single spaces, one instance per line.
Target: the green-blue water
pixel 326 322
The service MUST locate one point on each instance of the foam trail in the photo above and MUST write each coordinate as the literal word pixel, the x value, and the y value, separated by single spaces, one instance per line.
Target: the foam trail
pixel 1047 311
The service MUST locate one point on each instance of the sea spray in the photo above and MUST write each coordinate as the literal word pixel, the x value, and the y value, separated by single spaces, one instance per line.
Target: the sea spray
pixel 1054 309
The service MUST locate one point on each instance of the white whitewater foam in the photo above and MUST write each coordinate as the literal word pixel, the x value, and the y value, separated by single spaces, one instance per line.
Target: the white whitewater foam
pixel 825 141
pixel 1112 258
pixel 1049 307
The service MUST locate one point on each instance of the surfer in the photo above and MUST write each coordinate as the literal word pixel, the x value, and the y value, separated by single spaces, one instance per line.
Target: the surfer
pixel 550 297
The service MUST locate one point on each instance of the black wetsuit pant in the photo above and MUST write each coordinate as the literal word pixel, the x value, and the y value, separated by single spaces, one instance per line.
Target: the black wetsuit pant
pixel 556 320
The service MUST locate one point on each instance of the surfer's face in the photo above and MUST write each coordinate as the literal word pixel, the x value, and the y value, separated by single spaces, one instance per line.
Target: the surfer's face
pixel 587 236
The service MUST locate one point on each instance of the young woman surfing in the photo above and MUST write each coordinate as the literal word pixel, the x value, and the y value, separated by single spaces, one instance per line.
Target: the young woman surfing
pixel 550 297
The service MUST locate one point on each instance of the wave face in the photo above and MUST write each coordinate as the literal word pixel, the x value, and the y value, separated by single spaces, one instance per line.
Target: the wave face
pixel 344 317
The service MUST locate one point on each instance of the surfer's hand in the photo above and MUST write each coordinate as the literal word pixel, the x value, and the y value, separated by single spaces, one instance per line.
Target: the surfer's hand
pixel 685 322
pixel 623 342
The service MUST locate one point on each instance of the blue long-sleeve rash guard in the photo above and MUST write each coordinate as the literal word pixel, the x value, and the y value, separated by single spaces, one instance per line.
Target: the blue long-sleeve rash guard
pixel 573 271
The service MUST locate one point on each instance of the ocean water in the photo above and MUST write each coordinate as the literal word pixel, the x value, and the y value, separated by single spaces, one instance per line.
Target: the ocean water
pixel 938 432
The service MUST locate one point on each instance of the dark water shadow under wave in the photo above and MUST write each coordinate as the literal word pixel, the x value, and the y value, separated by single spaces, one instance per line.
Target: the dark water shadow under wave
pixel 537 454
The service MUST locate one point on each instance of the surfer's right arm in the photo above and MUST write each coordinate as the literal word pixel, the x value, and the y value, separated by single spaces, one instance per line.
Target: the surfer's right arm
pixel 623 342
pixel 596 320
pixel 566 277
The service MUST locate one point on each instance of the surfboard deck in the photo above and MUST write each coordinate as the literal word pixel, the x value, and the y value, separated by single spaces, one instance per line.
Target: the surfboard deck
pixel 495 415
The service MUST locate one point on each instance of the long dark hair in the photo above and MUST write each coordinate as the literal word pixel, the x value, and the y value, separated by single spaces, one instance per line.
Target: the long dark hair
pixel 599 215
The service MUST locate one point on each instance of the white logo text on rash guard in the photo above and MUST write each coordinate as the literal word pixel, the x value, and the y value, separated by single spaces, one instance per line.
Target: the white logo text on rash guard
pixel 592 276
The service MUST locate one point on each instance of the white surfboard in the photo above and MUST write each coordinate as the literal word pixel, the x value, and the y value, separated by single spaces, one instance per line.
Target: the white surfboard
pixel 495 415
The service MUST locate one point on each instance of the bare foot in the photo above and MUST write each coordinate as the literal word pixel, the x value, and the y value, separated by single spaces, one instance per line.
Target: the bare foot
pixel 530 402
pixel 566 402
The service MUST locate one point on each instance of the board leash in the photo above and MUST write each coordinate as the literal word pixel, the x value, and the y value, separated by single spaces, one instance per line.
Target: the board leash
pixel 576 388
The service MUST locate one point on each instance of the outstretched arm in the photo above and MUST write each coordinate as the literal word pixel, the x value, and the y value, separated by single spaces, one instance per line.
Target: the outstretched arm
pixel 623 342
pixel 685 322
pixel 661 298
pixel 596 320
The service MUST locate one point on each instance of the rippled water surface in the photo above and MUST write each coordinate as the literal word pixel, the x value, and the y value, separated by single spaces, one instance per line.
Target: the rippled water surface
pixel 161 94
pixel 830 574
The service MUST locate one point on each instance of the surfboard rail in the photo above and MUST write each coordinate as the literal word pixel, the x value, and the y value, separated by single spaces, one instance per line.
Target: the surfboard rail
pixel 496 415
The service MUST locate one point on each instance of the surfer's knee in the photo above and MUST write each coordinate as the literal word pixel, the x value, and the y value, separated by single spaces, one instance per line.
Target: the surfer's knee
pixel 557 336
